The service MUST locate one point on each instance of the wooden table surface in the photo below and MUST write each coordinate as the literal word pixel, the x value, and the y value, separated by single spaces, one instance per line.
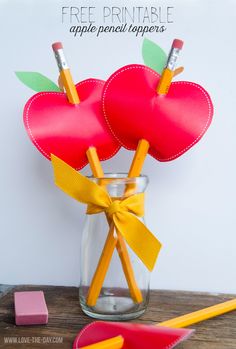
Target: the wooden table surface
pixel 66 318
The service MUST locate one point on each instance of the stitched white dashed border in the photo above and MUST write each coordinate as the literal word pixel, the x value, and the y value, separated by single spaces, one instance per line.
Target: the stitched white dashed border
pixel 179 340
pixel 142 67
pixel 26 116
pixel 76 341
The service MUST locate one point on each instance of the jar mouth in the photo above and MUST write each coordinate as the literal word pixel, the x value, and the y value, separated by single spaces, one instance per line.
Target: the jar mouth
pixel 116 183
pixel 119 175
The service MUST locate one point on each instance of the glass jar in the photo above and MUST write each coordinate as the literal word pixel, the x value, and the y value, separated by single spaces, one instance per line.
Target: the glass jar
pixel 119 288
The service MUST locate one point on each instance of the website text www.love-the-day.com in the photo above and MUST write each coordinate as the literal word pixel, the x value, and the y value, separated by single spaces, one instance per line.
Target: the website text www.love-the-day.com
pixel 32 340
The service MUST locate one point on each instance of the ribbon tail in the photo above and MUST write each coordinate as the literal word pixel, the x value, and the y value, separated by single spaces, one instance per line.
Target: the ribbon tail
pixel 79 187
pixel 145 245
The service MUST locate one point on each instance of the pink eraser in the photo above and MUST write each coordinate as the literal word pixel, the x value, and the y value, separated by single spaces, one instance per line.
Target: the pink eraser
pixel 177 44
pixel 30 308
pixel 57 46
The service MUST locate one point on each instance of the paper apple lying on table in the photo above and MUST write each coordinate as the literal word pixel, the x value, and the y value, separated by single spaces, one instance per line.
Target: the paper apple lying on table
pixel 171 123
pixel 66 130
pixel 136 336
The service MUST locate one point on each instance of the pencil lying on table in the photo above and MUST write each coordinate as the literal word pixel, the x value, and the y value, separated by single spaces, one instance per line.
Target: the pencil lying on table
pixel 178 322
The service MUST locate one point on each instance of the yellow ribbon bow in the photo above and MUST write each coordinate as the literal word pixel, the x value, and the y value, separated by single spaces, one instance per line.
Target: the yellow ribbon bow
pixel 122 213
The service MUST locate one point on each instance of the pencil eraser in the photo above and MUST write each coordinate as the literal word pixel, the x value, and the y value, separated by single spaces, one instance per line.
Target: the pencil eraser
pixel 57 46
pixel 177 44
pixel 30 308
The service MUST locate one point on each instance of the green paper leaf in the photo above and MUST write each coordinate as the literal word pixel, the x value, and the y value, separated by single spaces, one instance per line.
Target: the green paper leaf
pixel 37 81
pixel 153 55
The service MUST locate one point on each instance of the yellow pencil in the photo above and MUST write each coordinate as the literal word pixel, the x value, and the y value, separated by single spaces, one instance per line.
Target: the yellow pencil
pixel 200 315
pixel 180 322
pixel 112 242
pixel 169 70
pixel 65 75
pixel 66 81
pixel 113 343
pixel 135 171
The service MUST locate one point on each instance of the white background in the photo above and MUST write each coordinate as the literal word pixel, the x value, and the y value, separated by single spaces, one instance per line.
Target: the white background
pixel 190 202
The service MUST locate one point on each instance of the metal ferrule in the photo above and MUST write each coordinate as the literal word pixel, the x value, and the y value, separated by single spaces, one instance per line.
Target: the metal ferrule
pixel 173 56
pixel 61 60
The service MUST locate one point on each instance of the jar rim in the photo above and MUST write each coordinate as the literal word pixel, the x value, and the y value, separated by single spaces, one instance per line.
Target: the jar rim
pixel 119 175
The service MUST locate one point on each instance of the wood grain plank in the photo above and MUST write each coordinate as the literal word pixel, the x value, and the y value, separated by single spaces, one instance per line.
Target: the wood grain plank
pixel 66 318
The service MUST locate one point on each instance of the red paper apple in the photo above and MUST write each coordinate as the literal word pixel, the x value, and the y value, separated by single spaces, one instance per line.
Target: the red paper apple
pixel 66 130
pixel 171 124
pixel 135 336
